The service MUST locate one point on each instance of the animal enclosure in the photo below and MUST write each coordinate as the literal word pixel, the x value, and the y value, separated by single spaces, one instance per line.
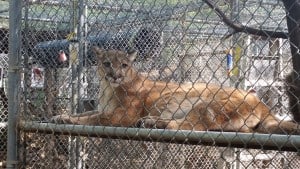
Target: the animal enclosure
pixel 53 71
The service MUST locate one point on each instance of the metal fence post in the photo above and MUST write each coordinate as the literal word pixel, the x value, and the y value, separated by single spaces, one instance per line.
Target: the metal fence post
pixel 15 14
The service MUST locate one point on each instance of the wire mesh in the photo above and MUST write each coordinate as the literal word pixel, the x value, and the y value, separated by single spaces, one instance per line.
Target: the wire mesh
pixel 3 95
pixel 176 41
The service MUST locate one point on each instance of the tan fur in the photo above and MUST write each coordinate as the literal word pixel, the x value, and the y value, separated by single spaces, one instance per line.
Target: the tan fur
pixel 129 99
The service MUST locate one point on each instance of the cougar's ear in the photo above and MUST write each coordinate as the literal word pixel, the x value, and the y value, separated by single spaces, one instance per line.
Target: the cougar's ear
pixel 97 51
pixel 252 91
pixel 132 55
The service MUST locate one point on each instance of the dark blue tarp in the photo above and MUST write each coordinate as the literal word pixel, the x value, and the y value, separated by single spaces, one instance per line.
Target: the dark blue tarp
pixel 146 42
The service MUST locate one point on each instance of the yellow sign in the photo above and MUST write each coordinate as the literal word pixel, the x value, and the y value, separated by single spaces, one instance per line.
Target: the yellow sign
pixel 73 48
pixel 71 36
pixel 236 59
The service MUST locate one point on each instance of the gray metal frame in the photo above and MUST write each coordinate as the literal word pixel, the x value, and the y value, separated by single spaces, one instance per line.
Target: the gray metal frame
pixel 14 69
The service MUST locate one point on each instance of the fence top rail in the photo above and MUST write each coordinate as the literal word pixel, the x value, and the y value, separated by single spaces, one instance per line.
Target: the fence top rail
pixel 211 138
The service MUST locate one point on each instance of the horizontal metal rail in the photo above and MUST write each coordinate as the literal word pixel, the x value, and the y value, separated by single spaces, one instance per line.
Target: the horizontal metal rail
pixel 212 138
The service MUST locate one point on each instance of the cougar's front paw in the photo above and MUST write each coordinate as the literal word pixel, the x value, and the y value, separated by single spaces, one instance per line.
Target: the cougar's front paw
pixel 61 119
pixel 147 122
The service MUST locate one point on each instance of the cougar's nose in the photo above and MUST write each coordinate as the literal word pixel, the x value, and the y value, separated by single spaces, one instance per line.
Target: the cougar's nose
pixel 117 76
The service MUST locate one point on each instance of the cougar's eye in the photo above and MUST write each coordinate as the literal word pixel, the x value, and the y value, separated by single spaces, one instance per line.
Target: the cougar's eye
pixel 124 65
pixel 106 64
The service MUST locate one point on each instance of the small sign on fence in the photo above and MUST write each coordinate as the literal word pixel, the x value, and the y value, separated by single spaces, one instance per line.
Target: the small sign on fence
pixel 37 77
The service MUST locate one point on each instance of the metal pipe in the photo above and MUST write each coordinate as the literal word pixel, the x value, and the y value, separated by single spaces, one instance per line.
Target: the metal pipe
pixel 15 13
pixel 81 35
pixel 212 138
pixel 74 52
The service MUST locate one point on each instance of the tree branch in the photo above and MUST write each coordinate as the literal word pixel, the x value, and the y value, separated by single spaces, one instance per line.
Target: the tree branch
pixel 245 29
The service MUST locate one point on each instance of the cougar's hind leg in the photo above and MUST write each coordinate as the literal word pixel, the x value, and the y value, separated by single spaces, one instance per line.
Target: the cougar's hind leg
pixel 152 122
pixel 289 127
pixel 271 125
pixel 61 119
pixel 278 128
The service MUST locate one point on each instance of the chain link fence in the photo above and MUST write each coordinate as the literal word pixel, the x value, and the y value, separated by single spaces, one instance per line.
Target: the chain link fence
pixel 176 41
pixel 3 95
pixel 3 107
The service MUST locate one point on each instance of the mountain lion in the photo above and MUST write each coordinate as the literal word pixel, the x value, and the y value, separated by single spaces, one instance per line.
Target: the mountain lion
pixel 129 99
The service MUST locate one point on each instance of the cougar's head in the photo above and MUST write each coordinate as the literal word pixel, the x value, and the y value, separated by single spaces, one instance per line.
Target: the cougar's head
pixel 115 66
